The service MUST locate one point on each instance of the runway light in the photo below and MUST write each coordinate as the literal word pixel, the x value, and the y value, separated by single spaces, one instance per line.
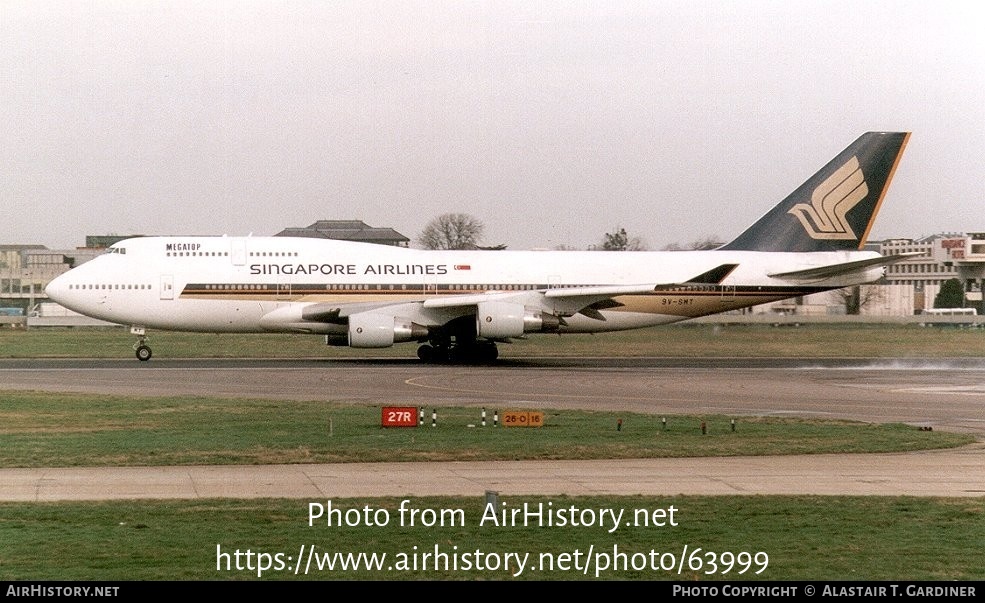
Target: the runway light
pixel 664 420
pixel 619 425
pixel 704 428
pixel 733 425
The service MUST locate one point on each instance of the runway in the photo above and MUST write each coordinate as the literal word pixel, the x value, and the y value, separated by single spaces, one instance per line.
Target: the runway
pixel 940 394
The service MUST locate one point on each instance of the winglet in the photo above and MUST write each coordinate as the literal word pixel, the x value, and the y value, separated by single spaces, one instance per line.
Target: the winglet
pixel 715 275
pixel 835 209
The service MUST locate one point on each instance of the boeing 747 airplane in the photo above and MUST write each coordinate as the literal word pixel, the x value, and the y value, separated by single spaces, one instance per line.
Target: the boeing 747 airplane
pixel 457 305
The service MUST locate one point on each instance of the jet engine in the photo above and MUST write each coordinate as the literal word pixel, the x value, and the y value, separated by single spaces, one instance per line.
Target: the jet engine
pixel 369 330
pixel 501 320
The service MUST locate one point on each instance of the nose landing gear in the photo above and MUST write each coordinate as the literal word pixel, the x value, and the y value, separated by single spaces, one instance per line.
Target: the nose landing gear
pixel 141 348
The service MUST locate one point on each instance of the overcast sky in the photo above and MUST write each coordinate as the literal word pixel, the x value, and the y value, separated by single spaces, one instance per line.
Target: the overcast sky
pixel 551 122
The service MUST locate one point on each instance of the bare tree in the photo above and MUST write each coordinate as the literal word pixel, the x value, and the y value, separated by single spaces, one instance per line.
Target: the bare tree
pixel 857 297
pixel 621 241
pixel 452 231
pixel 710 242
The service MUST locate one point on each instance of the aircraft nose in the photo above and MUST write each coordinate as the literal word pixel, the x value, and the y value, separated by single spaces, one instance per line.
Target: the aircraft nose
pixel 57 289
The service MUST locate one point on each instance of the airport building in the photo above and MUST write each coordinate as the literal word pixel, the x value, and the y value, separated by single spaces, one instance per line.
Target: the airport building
pixel 910 286
pixel 25 270
pixel 348 230
pixel 947 256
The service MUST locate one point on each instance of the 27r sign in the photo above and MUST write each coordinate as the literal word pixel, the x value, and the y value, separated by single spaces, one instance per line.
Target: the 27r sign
pixel 399 416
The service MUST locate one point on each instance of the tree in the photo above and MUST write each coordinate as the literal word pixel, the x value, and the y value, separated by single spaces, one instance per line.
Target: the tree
pixel 951 294
pixel 621 241
pixel 709 242
pixel 857 297
pixel 452 231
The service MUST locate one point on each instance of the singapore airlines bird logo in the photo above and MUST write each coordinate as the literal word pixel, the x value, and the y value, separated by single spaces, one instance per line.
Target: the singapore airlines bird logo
pixel 824 218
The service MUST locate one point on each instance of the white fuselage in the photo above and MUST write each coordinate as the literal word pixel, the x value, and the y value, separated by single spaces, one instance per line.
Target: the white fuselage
pixel 257 284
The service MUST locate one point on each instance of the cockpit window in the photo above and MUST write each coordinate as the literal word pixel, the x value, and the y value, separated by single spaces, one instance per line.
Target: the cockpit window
pixel 122 250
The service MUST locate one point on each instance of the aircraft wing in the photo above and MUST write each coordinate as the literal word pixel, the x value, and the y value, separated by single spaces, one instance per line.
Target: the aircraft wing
pixel 580 293
pixel 585 296
pixel 843 268
pixel 339 313
pixel 562 301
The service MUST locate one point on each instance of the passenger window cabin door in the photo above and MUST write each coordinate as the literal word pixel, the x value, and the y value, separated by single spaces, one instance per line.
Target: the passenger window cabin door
pixel 237 251
pixel 167 286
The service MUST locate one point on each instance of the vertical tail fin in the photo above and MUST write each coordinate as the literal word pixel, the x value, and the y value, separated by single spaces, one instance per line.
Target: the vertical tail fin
pixel 836 207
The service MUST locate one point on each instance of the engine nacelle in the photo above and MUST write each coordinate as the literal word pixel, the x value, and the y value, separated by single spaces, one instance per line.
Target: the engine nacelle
pixel 369 330
pixel 501 320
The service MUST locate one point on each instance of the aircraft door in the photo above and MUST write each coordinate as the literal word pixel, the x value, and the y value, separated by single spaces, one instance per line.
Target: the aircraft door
pixel 237 251
pixel 167 286
pixel 430 286
pixel 554 282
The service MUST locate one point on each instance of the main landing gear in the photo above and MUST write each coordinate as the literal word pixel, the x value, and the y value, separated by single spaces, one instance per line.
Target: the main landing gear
pixel 141 348
pixel 475 353
pixel 457 343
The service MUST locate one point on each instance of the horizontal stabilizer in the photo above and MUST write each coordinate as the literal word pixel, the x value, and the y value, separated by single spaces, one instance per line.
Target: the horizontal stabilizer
pixel 832 270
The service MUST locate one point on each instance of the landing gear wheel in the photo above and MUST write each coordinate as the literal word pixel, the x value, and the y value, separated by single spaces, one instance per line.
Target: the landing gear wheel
pixel 433 354
pixel 140 348
pixel 488 352
pixel 475 353
pixel 439 354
